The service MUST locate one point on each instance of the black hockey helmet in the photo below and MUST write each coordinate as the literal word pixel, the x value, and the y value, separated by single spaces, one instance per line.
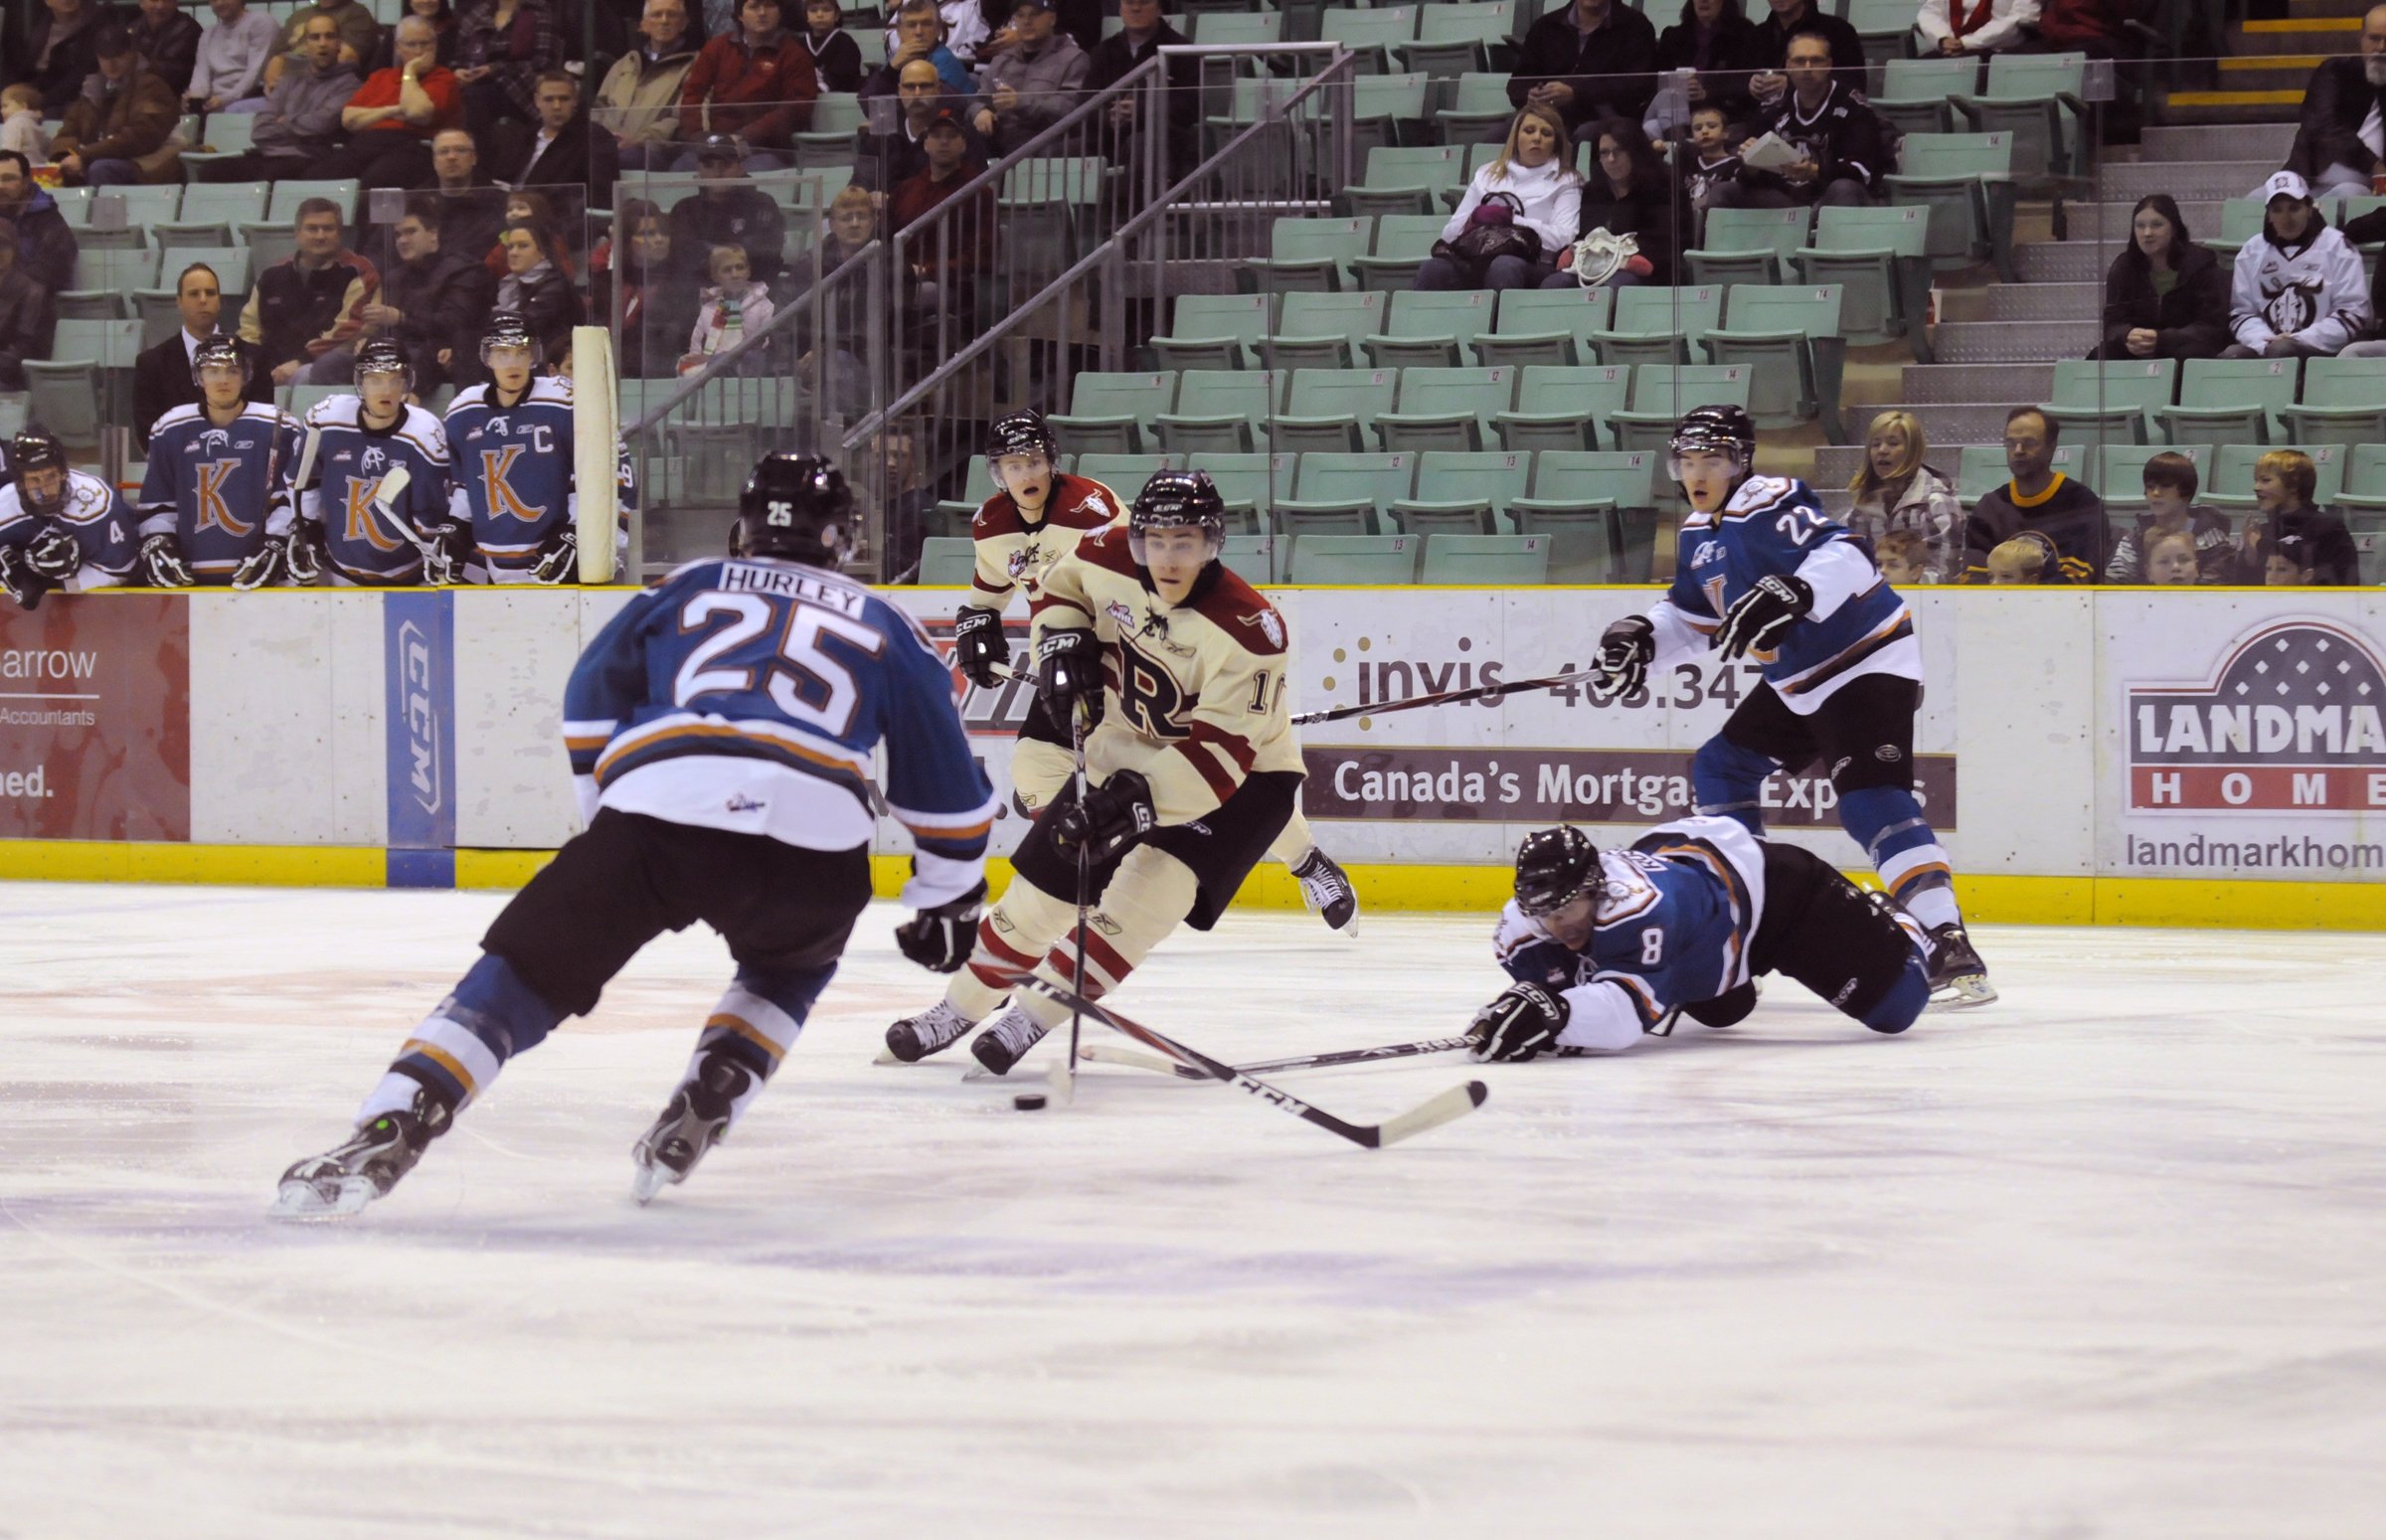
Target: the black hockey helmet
pixel 508 330
pixel 382 355
pixel 37 449
pixel 218 353
pixel 1721 429
pixel 1177 499
pixel 795 506
pixel 1554 867
pixel 1022 433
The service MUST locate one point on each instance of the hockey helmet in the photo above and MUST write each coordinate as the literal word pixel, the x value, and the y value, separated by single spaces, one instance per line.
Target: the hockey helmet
pixel 1022 433
pixel 1177 499
pixel 1714 429
pixel 1554 867
pixel 37 449
pixel 218 353
pixel 508 330
pixel 795 506
pixel 383 356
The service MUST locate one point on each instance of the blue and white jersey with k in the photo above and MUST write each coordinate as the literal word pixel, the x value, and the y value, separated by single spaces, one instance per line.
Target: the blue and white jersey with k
pixel 512 476
pixel 350 462
pixel 1673 928
pixel 219 491
pixel 750 696
pixel 1775 525
pixel 93 514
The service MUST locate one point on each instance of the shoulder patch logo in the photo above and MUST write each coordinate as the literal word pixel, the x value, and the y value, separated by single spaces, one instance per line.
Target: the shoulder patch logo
pixel 1270 624
pixel 1121 617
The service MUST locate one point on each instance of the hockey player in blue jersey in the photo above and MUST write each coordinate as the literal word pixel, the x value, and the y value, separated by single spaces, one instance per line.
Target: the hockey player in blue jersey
pixel 515 506
pixel 215 503
pixel 1763 572
pixel 367 526
pixel 1606 948
pixel 721 733
pixel 58 527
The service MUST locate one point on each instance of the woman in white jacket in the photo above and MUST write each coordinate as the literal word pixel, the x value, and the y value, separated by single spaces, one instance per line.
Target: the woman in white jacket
pixel 1536 168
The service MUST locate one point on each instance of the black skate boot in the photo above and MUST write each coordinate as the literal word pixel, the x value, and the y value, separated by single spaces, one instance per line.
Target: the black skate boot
pixel 346 1177
pixel 1959 978
pixel 1006 1040
pixel 1325 888
pixel 931 1031
pixel 692 1123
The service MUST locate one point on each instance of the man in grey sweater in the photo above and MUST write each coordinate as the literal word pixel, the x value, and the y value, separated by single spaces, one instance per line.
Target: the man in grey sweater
pixel 231 55
pixel 1034 83
pixel 301 119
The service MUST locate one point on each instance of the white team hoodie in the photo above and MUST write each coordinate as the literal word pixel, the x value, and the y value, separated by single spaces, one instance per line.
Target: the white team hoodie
pixel 1552 197
pixel 2314 292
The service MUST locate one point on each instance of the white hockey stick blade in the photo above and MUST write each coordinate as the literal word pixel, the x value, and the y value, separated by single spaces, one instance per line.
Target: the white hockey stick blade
pixel 1062 1081
pixel 1104 1053
pixel 1449 1107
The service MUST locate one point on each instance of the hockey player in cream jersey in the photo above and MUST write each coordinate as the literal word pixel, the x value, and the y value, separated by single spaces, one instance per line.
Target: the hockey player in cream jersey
pixel 1191 762
pixel 1037 517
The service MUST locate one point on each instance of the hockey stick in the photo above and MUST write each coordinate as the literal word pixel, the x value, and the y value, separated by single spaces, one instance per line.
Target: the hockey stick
pixel 1101 1054
pixel 1484 692
pixel 1455 1103
pixel 1064 1073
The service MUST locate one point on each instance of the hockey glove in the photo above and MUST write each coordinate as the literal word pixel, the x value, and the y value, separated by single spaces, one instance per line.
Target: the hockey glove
pixel 1524 1021
pixel 1625 652
pixel 1069 670
pixel 446 545
pixel 264 565
pixel 1763 614
pixel 54 554
pixel 1109 817
pixel 306 553
pixel 559 557
pixel 939 939
pixel 161 561
pixel 1727 1008
pixel 19 580
pixel 977 645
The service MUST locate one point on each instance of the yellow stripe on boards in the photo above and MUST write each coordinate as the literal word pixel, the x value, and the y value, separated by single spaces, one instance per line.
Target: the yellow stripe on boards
pixel 499 869
pixel 255 866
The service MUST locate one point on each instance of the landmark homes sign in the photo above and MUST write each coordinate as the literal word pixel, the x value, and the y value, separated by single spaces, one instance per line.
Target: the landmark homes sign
pixel 2290 721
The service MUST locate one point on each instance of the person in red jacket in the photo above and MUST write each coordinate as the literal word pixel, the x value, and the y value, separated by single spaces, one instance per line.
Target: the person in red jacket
pixel 756 82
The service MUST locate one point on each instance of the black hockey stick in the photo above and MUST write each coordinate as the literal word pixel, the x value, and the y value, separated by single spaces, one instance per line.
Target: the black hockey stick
pixel 1484 692
pixel 1095 1053
pixel 1450 1105
pixel 1084 881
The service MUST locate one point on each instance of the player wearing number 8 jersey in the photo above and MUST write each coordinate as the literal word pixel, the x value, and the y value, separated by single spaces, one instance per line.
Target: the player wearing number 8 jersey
pixel 1764 573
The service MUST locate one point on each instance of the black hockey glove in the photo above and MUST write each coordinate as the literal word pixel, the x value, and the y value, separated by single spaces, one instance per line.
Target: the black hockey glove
pixel 54 554
pixel 939 939
pixel 264 565
pixel 1727 1008
pixel 1069 670
pixel 161 561
pixel 977 645
pixel 1110 816
pixel 1524 1021
pixel 1624 651
pixel 1763 614
pixel 445 546
pixel 19 580
pixel 305 552
pixel 559 557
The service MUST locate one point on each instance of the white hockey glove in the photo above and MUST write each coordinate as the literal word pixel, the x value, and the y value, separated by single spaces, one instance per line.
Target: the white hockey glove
pixel 1778 602
pixel 54 553
pixel 1523 1022
pixel 1624 653
pixel 306 553
pixel 445 546
pixel 939 939
pixel 161 561
pixel 264 565
pixel 559 557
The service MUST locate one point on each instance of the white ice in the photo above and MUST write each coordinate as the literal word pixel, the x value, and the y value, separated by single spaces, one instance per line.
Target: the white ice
pixel 2105 1259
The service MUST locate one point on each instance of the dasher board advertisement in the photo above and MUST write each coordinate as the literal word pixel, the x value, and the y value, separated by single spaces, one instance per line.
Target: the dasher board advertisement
pixel 95 719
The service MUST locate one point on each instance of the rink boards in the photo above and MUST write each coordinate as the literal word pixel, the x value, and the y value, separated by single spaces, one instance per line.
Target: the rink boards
pixel 2109 755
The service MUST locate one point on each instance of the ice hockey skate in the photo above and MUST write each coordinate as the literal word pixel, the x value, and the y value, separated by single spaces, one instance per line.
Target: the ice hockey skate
pixel 933 1031
pixel 691 1123
pixel 1006 1040
pixel 344 1178
pixel 1325 888
pixel 1959 978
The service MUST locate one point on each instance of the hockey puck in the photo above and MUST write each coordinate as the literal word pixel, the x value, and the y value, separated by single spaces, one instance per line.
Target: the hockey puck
pixel 1029 1102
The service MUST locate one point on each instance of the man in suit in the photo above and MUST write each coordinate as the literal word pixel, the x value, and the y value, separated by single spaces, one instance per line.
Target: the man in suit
pixel 2341 142
pixel 564 155
pixel 161 376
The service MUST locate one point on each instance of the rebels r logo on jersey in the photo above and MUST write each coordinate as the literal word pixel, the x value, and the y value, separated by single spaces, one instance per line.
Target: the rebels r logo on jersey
pixel 1148 693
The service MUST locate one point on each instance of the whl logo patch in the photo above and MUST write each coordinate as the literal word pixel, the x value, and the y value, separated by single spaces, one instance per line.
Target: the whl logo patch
pixel 2290 721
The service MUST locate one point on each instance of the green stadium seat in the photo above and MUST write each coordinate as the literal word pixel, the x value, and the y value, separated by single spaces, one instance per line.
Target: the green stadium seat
pixel 2232 401
pixel 1486 561
pixel 226 135
pixel 287 195
pixel 2036 97
pixel 1547 326
pixel 63 396
pixel 1250 483
pixel 1215 28
pixel 1789 336
pixel 1884 27
pixel 1370 34
pixel 2110 401
pixel 1387 109
pixel 1215 331
pixel 1433 329
pixel 1333 410
pixel 142 203
pixel 1656 325
pixel 1403 241
pixel 1452 40
pixel 1880 258
pixel 1346 494
pixel 1749 245
pixel 267 242
pixel 977 484
pixel 110 344
pixel 2364 480
pixel 1914 92
pixel 1126 474
pixel 836 116
pixel 2240 222
pixel 1967 182
pixel 1221 411
pixel 1450 410
pixel 1661 392
pixel 2343 401
pixel 103 281
pixel 229 202
pixel 1564 406
pixel 1463 493
pixel 1356 560
pixel 1250 558
pixel 1407 179
pixel 1979 472
pixel 946 561
pixel 1309 255
pixel 1479 112
pixel 1600 510
pixel 1116 414
pixel 2231 484
pixel 1324 331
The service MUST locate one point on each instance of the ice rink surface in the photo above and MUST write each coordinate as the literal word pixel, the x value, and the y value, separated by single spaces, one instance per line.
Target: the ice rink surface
pixel 2105 1259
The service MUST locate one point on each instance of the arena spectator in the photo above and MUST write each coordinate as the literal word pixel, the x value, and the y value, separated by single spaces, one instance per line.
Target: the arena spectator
pixel 1143 32
pixel 21 126
pixel 1898 492
pixel 965 29
pixel 46 247
pixel 394 115
pixel 565 153
pixel 1900 556
pixel 880 160
pixel 359 34
pixel 2299 289
pixel 2039 500
pixel 941 267
pixel 529 206
pixel 728 210
pixel 1708 163
pixel 657 302
pixel 232 55
pixel 161 376
pixel 312 301
pixel 731 307
pixel 535 288
pixel 1592 58
pixel 27 314
pixel 168 42
pixel 836 58
pixel 1716 39
pixel 59 49
pixel 471 208
pixel 2028 558
pixel 639 102
pixel 2170 560
pixel 2285 481
pixel 1628 193
pixel 2164 295
pixel 442 17
pixel 1535 171
pixel 1953 28
pixel 433 304
pixel 1789 19
pixel 300 123
pixel 502 47
pixel 2171 510
pixel 919 33
pixel 756 82
pixel 2358 232
pixel 1034 83
pixel 121 130
pixel 2341 138
pixel 1844 144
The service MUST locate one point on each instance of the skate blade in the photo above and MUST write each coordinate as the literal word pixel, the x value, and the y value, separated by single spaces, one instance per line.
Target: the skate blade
pixel 1964 993
pixel 650 1178
pixel 307 1200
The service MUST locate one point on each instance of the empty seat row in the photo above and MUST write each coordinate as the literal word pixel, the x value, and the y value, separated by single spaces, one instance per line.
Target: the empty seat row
pixel 2217 401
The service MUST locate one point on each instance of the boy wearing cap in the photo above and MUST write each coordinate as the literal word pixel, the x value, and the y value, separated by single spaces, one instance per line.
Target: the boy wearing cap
pixel 1034 83
pixel 2299 289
